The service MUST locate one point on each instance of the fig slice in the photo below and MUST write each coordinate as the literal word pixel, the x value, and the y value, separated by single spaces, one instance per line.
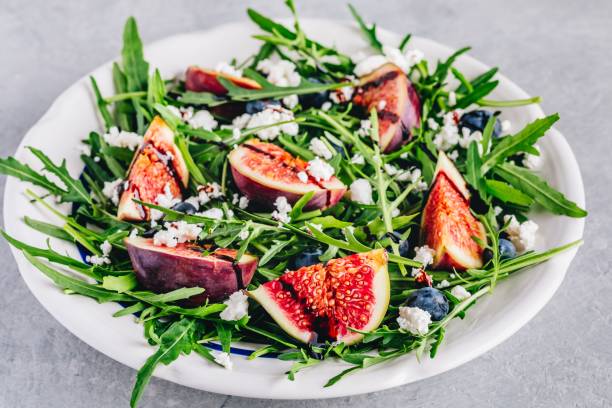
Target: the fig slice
pixel 158 167
pixel 320 302
pixel 447 224
pixel 162 269
pixel 390 92
pixel 203 80
pixel 263 172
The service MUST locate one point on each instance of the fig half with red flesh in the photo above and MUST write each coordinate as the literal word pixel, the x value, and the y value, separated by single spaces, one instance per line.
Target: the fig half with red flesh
pixel 447 224
pixel 390 92
pixel 263 172
pixel 157 164
pixel 321 302
pixel 162 269
pixel 203 80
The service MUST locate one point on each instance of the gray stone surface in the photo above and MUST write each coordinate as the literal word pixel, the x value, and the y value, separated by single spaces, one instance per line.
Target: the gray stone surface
pixel 558 49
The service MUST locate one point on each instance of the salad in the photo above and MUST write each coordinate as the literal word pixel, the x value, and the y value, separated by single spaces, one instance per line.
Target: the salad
pixel 315 204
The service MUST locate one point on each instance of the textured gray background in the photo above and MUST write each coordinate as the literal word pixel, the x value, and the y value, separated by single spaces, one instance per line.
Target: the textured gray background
pixel 558 49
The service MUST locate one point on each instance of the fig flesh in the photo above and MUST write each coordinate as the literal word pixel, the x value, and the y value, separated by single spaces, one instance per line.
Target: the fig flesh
pixel 447 224
pixel 158 167
pixel 390 92
pixel 203 80
pixel 162 269
pixel 323 302
pixel 263 172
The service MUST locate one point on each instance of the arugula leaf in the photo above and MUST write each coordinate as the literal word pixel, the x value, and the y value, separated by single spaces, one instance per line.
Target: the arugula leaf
pixel 507 193
pixel 120 284
pixel 12 167
pixel 156 90
pixel 201 98
pixel 76 285
pixel 134 65
pixel 473 165
pixel 369 32
pixel 476 94
pixel 542 193
pixel 47 228
pixel 174 341
pixel 75 191
pixel 519 142
pixel 102 104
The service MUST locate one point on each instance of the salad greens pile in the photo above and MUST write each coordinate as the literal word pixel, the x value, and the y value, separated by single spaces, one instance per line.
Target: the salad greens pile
pixel 491 166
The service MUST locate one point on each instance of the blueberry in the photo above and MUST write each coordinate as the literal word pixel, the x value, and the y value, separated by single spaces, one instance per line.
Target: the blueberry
pixel 184 207
pixel 476 120
pixel 431 300
pixel 314 100
pixel 309 256
pixel 506 249
pixel 253 107
pixel 404 245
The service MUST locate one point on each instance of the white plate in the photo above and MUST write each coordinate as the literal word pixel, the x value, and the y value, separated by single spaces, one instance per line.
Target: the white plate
pixel 494 319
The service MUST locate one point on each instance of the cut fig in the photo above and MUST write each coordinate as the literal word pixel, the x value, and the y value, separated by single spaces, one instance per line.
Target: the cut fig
pixel 323 302
pixel 203 80
pixel 263 172
pixel 162 269
pixel 158 167
pixel 447 224
pixel 390 92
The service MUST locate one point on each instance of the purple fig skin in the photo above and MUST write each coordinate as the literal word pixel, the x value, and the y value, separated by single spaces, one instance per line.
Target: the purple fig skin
pixel 266 196
pixel 162 269
pixel 401 110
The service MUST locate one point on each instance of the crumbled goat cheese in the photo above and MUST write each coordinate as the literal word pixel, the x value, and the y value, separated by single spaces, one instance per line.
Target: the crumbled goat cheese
pixel 195 201
pixel 103 259
pixel 166 200
pixel 533 162
pixel 291 101
pixel 223 359
pixel 279 73
pixel 369 64
pixel 404 60
pixel 270 116
pixel 111 190
pixel 433 125
pixel 118 138
pixel 237 307
pixel 133 233
pixel 443 284
pixel 244 234
pixel 395 212
pixel 326 106
pixel 468 137
pixel 497 210
pixel 236 134
pixel 414 176
pixel 96 159
pixel 452 98
pixel 183 113
pixel 390 169
pixel 329 59
pixel 243 202
pixel 365 128
pixel 358 159
pixel 318 147
pixel 522 235
pixel 414 320
pixel 342 95
pixel 303 176
pixel 283 208
pixel 382 105
pixel 214 213
pixel 506 125
pixel 227 69
pixel 361 191
pixel 448 134
pixel 203 119
pixel 176 233
pixel 424 255
pixel 240 122
pixel 209 192
pixel 460 292
pixel 320 170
